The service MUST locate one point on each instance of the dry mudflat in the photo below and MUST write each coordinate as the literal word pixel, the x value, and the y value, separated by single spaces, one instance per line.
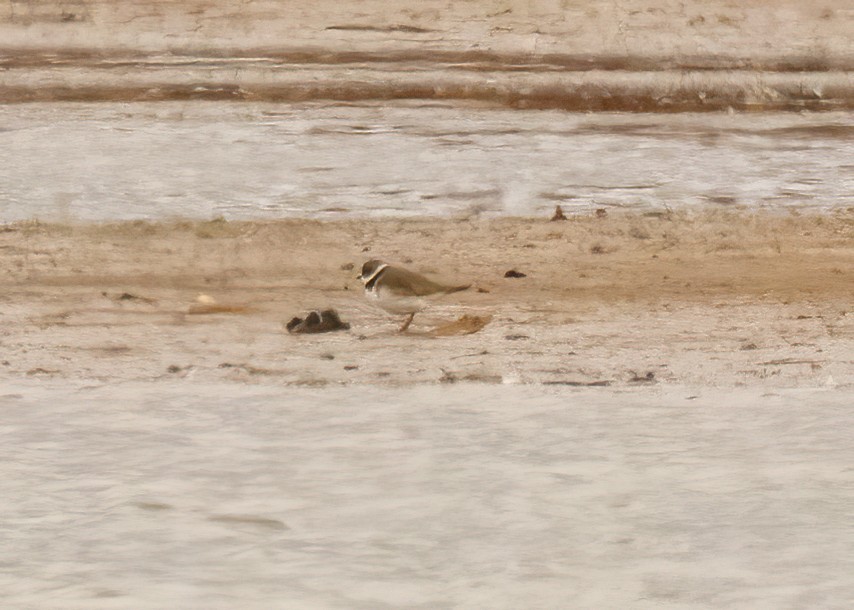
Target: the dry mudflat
pixel 710 298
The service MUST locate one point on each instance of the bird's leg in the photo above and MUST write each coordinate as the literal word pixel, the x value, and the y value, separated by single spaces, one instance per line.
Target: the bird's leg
pixel 407 323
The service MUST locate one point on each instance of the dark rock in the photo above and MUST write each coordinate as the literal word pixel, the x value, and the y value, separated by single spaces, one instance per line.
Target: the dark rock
pixel 648 378
pixel 558 215
pixel 514 273
pixel 317 322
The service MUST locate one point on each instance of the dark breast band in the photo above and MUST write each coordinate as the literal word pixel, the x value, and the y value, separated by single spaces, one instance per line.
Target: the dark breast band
pixel 372 282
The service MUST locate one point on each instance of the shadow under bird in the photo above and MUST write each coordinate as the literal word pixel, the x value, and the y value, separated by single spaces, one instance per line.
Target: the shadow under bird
pixel 400 291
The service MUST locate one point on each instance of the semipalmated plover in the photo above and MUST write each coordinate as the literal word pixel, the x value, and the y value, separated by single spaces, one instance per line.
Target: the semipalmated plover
pixel 400 291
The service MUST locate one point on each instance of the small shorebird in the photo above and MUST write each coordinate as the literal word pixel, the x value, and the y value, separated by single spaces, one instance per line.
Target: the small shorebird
pixel 400 291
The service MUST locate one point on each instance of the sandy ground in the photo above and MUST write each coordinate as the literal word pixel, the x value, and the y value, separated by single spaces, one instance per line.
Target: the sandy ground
pixel 722 298
pixel 588 55
pixel 719 29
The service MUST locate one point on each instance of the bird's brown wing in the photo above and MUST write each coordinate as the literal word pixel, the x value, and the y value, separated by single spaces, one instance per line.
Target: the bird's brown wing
pixel 413 283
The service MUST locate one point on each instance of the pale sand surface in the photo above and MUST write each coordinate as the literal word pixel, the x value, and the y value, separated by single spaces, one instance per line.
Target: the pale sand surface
pixel 105 161
pixel 712 30
pixel 711 299
pixel 178 494
pixel 660 55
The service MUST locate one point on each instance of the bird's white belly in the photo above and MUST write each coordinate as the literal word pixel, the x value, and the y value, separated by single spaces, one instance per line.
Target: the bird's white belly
pixel 397 304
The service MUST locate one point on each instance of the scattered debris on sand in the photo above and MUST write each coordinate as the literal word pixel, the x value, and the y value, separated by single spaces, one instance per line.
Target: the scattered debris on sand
pixel 128 296
pixel 205 304
pixel 324 321
pixel 647 378
pixel 465 325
